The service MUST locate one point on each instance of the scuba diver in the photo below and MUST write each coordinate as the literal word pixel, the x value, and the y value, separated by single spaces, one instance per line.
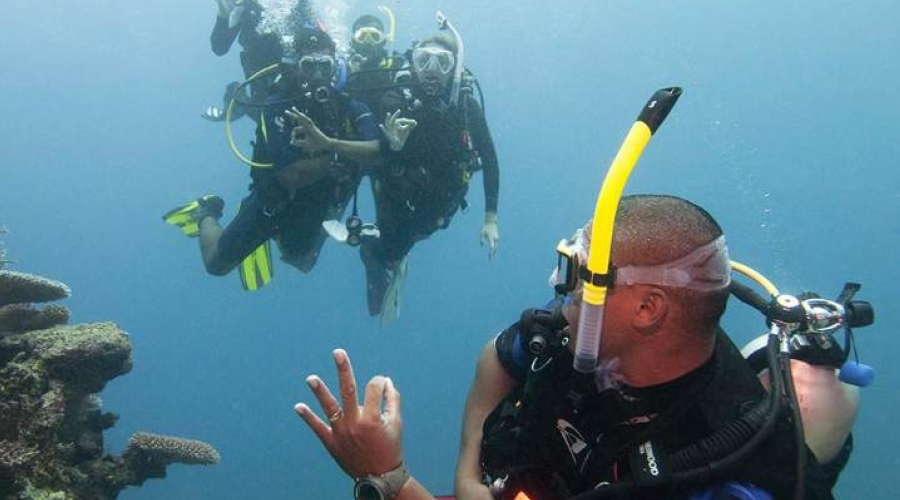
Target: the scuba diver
pixel 308 145
pixel 654 401
pixel 372 66
pixel 264 40
pixel 668 377
pixel 424 176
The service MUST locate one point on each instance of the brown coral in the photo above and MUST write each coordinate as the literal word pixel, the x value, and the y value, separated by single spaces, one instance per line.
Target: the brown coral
pixel 23 288
pixel 26 317
pixel 15 456
pixel 51 421
pixel 170 449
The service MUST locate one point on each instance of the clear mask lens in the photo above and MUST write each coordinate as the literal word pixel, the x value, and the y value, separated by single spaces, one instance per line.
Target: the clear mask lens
pixel 430 59
pixel 322 66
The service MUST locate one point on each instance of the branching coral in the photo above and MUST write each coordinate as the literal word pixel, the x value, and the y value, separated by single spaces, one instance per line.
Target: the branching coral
pixel 23 288
pixel 170 450
pixel 148 455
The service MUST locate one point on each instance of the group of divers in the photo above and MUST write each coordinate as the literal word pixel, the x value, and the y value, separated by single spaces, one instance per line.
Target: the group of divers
pixel 623 386
pixel 326 119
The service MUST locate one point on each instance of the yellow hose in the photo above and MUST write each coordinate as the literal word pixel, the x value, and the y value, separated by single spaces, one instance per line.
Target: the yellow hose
pixel 229 112
pixel 756 276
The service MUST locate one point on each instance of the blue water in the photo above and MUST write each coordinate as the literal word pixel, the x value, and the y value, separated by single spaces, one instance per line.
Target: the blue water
pixel 786 132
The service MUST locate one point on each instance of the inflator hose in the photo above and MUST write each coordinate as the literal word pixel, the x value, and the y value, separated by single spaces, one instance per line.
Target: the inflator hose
pixel 748 296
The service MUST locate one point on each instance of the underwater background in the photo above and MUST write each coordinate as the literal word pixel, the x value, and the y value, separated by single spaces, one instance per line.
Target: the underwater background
pixel 786 133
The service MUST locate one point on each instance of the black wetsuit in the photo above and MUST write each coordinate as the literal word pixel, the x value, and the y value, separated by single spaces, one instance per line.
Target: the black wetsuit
pixel 296 222
pixel 372 82
pixel 419 189
pixel 594 445
pixel 259 50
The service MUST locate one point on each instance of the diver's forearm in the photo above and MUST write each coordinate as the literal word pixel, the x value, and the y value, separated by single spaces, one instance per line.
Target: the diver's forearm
pixel 355 150
pixel 413 490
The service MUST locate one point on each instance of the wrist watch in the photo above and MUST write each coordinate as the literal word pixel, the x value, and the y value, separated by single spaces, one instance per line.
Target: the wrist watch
pixel 383 486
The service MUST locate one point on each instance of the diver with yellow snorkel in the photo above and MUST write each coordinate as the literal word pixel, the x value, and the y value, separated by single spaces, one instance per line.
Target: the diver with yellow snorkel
pixel 662 406
pixel 372 66
pixel 306 166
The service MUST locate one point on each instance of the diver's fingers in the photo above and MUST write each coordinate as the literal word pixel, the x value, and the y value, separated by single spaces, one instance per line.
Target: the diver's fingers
pixel 348 384
pixel 391 398
pixel 395 116
pixel 301 119
pixel 319 428
pixel 374 394
pixel 293 114
pixel 327 401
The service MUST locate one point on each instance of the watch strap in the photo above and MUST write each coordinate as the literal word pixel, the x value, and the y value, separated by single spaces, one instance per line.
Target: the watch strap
pixel 395 479
pixel 388 484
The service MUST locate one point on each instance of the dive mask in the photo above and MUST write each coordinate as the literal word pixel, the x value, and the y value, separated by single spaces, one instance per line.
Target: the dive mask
pixel 706 268
pixel 317 67
pixel 433 59
pixel 369 35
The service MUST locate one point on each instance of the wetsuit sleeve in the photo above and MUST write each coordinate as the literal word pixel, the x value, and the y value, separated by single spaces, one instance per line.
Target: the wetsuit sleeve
pixel 484 144
pixel 363 121
pixel 513 356
pixel 222 36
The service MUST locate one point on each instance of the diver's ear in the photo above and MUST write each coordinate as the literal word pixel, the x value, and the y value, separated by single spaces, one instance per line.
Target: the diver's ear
pixel 651 310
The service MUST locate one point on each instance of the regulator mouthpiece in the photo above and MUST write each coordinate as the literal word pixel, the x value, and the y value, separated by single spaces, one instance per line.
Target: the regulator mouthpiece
pixel 859 313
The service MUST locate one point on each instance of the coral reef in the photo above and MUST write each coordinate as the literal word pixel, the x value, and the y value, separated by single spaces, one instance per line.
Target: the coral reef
pixel 3 261
pixel 51 419
pixel 26 317
pixel 21 288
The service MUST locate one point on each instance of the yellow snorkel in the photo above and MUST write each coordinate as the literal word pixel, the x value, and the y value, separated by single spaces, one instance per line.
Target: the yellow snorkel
pixel 229 112
pixel 597 278
pixel 392 22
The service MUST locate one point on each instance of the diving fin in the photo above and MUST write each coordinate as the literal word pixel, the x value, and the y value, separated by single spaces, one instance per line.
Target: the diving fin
pixel 390 307
pixel 187 217
pixel 256 269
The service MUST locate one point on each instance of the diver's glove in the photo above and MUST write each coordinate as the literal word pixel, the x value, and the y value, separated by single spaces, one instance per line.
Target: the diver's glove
pixel 490 233
pixel 397 130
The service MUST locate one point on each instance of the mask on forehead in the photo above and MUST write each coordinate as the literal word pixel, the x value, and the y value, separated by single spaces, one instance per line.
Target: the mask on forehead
pixel 706 268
